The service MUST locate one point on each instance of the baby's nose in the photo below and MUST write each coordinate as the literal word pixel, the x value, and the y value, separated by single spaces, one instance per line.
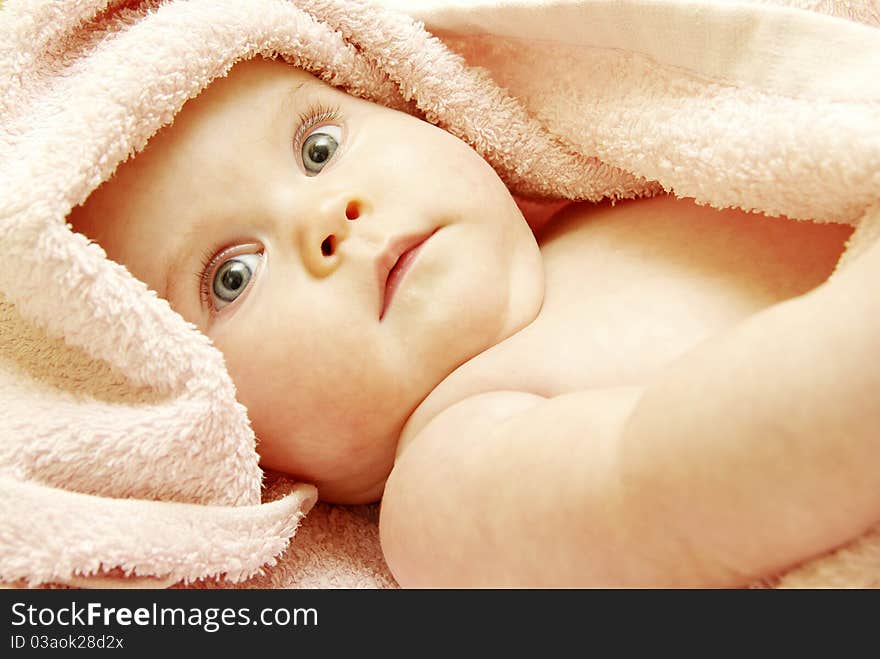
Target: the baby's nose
pixel 321 248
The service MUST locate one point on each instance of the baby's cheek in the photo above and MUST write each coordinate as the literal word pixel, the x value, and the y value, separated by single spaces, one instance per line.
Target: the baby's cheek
pixel 257 369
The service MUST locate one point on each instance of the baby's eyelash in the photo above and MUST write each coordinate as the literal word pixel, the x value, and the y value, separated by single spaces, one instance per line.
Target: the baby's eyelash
pixel 207 262
pixel 316 114
pixel 207 259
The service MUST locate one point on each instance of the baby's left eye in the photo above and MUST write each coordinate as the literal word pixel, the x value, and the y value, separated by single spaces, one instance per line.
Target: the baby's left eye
pixel 318 148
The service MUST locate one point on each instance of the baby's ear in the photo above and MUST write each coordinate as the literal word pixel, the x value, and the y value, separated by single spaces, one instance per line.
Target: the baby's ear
pixel 538 212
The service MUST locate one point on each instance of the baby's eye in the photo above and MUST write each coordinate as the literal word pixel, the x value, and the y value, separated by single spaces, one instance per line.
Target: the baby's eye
pixel 232 278
pixel 318 148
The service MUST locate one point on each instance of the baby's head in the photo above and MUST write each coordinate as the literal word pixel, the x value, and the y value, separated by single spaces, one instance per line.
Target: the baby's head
pixel 270 213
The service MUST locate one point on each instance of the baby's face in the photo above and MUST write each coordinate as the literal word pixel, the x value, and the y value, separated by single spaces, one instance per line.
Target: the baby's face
pixel 343 256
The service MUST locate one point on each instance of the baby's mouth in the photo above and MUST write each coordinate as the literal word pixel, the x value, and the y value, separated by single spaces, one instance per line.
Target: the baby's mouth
pixel 393 264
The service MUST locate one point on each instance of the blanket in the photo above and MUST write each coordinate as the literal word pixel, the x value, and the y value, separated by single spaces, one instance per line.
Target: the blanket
pixel 124 455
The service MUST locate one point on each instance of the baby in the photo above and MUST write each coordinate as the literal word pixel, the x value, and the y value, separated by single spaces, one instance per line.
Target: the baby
pixel 640 396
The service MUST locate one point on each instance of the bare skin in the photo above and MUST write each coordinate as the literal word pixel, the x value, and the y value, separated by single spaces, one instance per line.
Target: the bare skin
pixel 681 431
pixel 632 399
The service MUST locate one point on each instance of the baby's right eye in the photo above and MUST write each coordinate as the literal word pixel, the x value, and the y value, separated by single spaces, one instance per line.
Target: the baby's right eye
pixel 232 277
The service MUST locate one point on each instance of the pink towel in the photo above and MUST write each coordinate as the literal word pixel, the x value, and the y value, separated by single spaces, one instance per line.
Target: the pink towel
pixel 123 453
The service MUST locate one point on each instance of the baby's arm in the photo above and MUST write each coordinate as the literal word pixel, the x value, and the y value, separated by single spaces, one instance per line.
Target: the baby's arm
pixel 753 452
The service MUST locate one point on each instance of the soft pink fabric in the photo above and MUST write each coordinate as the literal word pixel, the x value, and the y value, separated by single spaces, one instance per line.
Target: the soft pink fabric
pixel 123 451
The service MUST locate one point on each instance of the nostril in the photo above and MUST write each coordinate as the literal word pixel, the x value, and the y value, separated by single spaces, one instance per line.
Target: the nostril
pixel 353 210
pixel 328 245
